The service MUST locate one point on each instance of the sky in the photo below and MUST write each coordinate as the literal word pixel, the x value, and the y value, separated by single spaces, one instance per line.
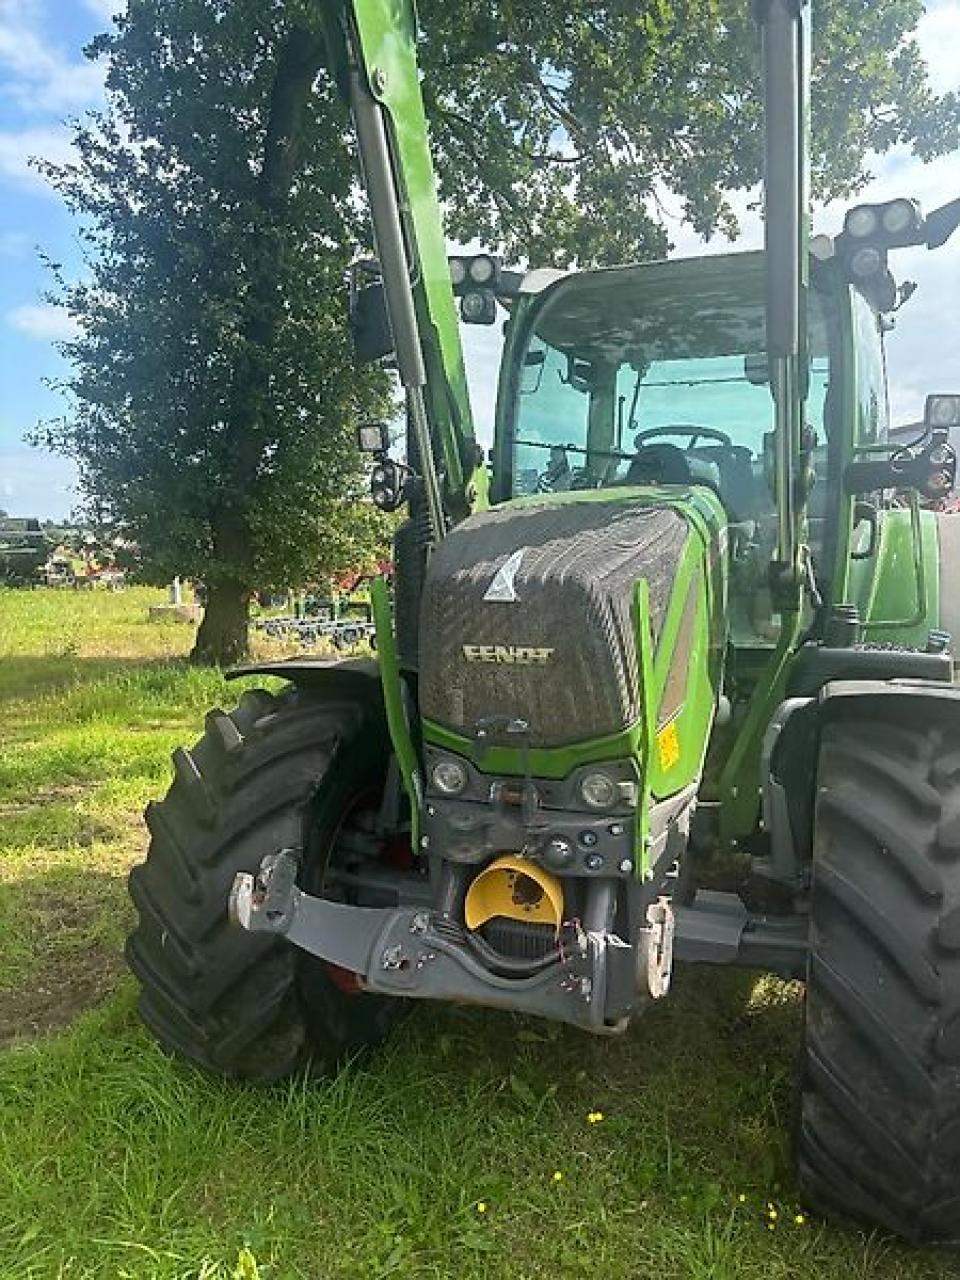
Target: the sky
pixel 45 81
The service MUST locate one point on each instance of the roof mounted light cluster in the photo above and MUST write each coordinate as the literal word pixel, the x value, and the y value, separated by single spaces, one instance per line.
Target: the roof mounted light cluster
pixel 870 231
pixel 479 280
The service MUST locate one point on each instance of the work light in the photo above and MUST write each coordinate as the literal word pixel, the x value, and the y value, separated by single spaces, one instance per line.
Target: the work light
pixel 479 306
pixel 900 216
pixel 942 411
pixel 866 262
pixel 862 222
pixel 482 269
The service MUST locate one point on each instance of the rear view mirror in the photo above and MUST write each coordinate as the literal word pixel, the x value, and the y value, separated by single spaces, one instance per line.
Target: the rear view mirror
pixel 370 324
pixel 941 224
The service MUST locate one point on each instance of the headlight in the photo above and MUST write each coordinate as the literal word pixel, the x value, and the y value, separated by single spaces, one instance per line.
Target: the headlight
pixel 866 263
pixel 862 222
pixel 898 216
pixel 599 791
pixel 449 776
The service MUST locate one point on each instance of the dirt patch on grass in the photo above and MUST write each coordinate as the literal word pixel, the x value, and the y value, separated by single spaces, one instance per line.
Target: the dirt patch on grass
pixel 66 986
pixel 61 959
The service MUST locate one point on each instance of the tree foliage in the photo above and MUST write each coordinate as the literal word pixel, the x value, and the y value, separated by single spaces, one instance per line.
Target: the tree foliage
pixel 215 400
pixel 563 127
pixel 214 395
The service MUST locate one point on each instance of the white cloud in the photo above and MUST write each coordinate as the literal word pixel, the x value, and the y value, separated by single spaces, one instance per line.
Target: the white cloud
pixel 39 77
pixel 43 321
pixel 18 147
pixel 939 37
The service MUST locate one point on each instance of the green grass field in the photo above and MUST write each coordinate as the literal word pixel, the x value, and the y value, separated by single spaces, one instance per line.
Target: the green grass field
pixel 463 1149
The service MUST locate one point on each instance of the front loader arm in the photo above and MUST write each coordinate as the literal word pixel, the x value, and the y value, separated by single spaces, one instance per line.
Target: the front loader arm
pixel 373 50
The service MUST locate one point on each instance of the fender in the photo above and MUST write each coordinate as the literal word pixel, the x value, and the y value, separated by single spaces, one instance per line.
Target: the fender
pixel 841 697
pixel 353 677
pixel 791 750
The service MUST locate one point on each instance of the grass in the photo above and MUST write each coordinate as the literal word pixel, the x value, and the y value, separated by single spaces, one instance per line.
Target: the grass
pixel 437 1158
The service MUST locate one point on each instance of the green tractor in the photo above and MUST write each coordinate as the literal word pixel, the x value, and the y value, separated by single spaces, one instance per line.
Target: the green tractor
pixel 701 617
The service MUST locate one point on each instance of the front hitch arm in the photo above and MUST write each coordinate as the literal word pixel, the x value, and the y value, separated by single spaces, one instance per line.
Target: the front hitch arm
pixel 270 902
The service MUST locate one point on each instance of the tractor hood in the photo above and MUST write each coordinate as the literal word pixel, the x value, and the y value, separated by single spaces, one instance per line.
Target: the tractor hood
pixel 528 614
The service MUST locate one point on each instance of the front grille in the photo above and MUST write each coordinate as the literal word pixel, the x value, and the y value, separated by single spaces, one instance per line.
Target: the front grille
pixel 518 940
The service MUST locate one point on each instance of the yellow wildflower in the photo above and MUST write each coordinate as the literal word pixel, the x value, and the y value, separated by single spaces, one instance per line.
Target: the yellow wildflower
pixel 481 1206
pixel 557 1176
pixel 799 1219
pixel 594 1117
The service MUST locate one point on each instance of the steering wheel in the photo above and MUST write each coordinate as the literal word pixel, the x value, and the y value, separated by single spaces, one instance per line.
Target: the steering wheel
pixel 687 430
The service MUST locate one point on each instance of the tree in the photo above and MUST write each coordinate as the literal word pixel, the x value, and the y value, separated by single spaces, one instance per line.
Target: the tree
pixel 562 127
pixel 214 396
pixel 214 393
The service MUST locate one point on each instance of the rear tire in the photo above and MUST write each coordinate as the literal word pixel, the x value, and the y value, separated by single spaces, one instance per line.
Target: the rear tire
pixel 879 1124
pixel 276 772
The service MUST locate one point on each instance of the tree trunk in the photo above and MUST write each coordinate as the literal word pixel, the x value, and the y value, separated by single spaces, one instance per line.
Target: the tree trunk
pixel 222 639
pixel 223 635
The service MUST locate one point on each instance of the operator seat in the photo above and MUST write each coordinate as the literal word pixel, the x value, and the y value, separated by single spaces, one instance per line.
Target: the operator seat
pixel 659 464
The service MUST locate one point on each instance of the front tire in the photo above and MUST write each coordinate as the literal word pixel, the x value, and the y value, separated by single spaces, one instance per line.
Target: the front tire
pixel 879 1123
pixel 278 772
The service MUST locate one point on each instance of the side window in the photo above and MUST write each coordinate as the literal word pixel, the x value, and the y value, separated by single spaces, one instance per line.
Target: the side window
pixel 872 424
pixel 551 423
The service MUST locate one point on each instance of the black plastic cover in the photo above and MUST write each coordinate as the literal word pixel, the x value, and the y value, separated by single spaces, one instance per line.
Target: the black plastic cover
pixel 561 655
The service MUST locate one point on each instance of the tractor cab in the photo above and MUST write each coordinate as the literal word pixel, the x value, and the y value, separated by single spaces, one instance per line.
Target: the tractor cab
pixel 657 375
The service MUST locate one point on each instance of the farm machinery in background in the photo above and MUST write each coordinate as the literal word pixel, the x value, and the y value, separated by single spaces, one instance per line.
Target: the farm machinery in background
pixel 342 617
pixel 34 555
pixel 705 614
pixel 24 549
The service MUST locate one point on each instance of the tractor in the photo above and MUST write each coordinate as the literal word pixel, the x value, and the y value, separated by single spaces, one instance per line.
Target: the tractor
pixel 700 612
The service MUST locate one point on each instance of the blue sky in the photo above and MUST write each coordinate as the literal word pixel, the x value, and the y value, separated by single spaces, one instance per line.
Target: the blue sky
pixel 44 80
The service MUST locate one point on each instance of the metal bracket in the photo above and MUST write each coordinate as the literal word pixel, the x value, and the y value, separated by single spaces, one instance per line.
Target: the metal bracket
pixel 716 928
pixel 659 947
pixel 784 863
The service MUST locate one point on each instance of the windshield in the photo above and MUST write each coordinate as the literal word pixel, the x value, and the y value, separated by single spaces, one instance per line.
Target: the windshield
pixel 656 375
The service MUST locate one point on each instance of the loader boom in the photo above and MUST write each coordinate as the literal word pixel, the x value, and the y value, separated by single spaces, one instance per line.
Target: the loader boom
pixel 372 46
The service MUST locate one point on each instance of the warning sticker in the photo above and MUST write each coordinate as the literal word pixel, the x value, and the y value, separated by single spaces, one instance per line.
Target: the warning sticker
pixel 668 744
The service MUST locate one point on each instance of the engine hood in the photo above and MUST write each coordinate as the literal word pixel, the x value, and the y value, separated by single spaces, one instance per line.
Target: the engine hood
pixel 527 613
